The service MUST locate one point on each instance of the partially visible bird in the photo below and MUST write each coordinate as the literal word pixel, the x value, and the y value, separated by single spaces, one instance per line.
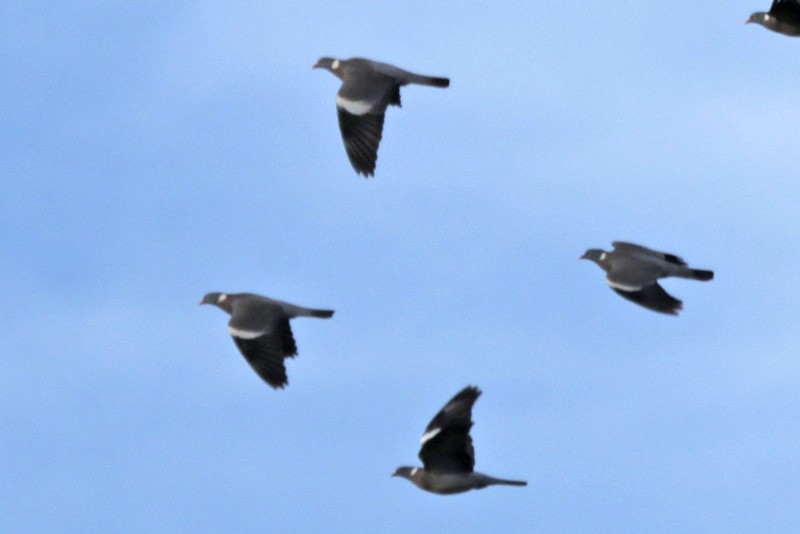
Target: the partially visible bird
pixel 447 452
pixel 634 270
pixel 368 87
pixel 260 328
pixel 783 17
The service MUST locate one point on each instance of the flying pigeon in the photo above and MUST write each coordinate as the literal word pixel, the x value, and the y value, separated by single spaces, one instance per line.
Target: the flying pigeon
pixel 783 17
pixel 447 452
pixel 634 270
pixel 260 328
pixel 368 87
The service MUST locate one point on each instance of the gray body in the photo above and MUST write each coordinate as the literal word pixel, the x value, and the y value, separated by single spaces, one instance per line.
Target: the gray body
pixel 251 311
pixel 451 483
pixel 358 71
pixel 368 88
pixel 260 328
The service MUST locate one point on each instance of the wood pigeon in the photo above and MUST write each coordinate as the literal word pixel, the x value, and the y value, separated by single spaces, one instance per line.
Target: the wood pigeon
pixel 447 452
pixel 368 87
pixel 783 17
pixel 260 328
pixel 634 270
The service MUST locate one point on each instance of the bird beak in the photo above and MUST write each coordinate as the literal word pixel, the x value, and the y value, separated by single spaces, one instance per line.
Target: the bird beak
pixel 200 303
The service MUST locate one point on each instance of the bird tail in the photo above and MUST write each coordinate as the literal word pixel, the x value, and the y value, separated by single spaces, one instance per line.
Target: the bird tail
pixel 430 80
pixel 700 274
pixel 299 311
pixel 691 274
pixel 505 482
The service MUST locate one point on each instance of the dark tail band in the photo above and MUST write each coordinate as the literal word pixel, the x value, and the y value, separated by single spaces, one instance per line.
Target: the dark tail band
pixel 699 274
pixel 433 81
pixel 511 482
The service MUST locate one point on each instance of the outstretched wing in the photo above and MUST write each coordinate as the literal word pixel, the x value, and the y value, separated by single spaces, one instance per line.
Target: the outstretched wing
pixel 639 249
pixel 652 297
pixel 786 10
pixel 446 443
pixel 362 136
pixel 266 350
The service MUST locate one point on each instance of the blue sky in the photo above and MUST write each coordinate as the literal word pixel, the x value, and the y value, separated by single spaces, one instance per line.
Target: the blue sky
pixel 151 153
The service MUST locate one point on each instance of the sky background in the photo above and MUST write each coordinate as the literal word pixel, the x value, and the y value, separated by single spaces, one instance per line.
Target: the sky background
pixel 151 152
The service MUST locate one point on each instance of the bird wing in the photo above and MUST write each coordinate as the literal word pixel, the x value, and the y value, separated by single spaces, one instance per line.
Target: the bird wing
pixel 362 136
pixel 263 355
pixel 631 272
pixel 653 297
pixel 265 348
pixel 365 90
pixel 446 443
pixel 361 105
pixel 631 267
pixel 786 10
pixel 632 248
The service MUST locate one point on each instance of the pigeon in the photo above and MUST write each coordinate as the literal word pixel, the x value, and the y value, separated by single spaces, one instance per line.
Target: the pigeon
pixel 783 17
pixel 368 87
pixel 447 452
pixel 634 270
pixel 260 328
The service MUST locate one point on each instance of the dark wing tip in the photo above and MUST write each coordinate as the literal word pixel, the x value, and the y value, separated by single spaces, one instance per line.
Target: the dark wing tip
pixel 469 392
pixel 264 356
pixel 362 137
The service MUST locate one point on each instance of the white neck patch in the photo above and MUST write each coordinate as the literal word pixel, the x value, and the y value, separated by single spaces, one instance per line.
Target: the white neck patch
pixel 414 471
pixel 221 297
pixel 603 256
pixel 335 64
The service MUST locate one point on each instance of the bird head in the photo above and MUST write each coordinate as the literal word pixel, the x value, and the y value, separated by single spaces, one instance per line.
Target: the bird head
pixel 327 63
pixel 213 298
pixel 404 472
pixel 593 254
